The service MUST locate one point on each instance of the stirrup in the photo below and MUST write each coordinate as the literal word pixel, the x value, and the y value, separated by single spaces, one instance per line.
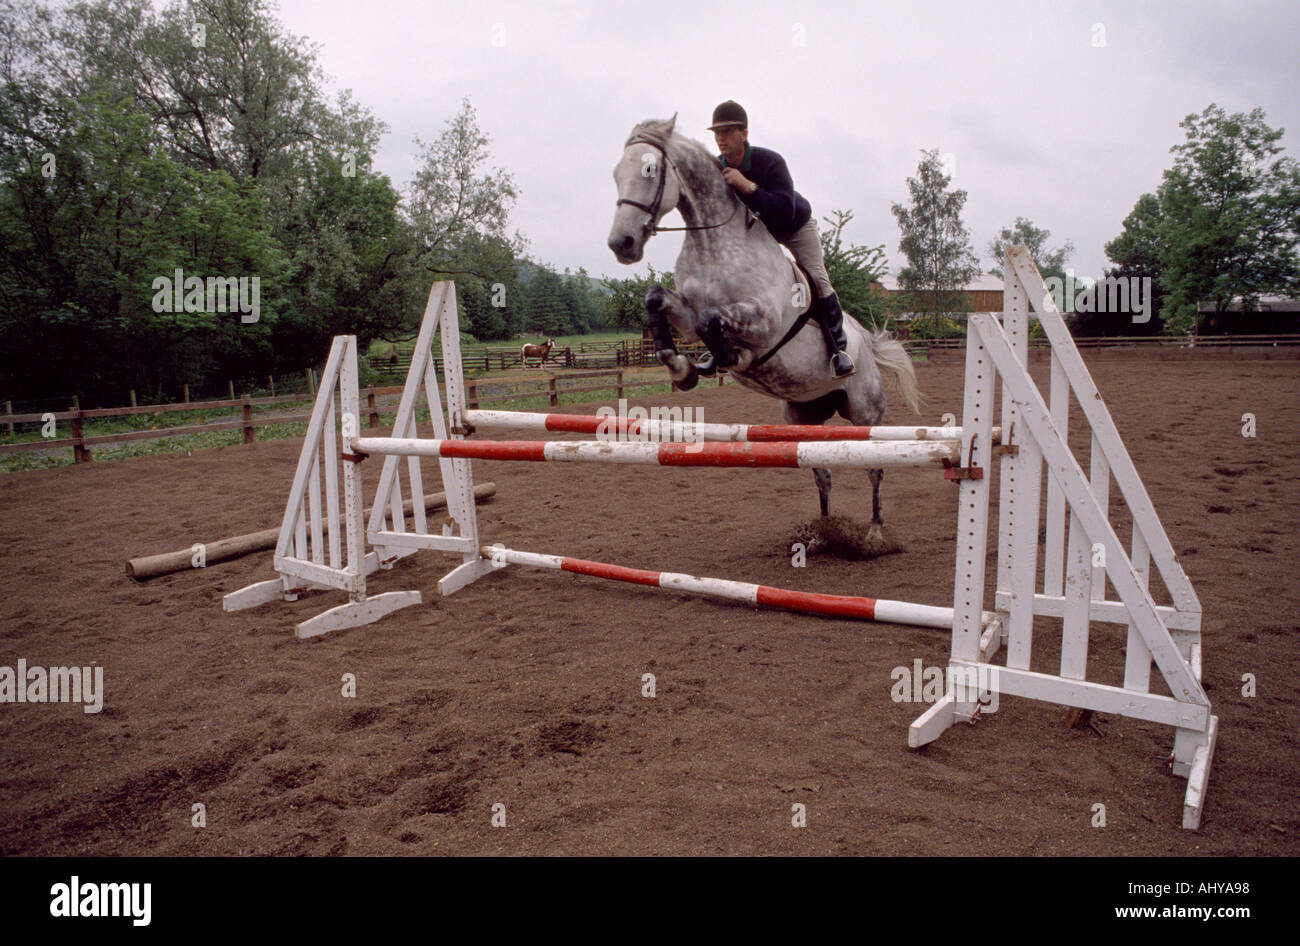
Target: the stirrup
pixel 842 365
pixel 707 366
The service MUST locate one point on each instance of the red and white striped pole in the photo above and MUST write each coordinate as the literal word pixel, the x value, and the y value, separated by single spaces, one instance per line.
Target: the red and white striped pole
pixel 808 602
pixel 867 454
pixel 659 429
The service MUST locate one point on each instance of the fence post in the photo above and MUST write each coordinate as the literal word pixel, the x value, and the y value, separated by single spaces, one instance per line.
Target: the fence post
pixel 133 404
pixel 186 398
pixel 9 409
pixel 79 452
pixel 230 387
pixel 270 383
pixel 374 410
pixel 311 382
pixel 471 392
pixel 250 435
pixel 620 384
pixel 555 394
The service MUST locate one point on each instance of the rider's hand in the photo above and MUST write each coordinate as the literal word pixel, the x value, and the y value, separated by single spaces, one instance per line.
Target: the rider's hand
pixel 738 181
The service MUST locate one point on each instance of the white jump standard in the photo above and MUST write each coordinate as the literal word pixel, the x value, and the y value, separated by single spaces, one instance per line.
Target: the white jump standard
pixel 1077 513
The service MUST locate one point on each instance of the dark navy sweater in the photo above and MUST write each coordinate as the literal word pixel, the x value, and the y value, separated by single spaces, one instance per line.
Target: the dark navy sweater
pixel 781 208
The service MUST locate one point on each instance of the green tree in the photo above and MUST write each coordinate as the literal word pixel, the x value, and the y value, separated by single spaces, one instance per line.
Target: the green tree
pixel 458 206
pixel 855 272
pixel 588 300
pixel 83 246
pixel 491 307
pixel 1230 216
pixel 1050 262
pixel 1136 253
pixel 940 260
pixel 217 153
pixel 625 303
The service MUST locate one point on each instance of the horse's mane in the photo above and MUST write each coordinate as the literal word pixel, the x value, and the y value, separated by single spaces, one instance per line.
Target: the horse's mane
pixel 697 157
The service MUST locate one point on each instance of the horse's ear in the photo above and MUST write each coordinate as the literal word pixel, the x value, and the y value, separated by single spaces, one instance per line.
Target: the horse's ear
pixel 668 125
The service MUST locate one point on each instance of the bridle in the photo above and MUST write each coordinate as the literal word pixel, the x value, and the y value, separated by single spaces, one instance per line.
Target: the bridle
pixel 653 209
pixel 651 229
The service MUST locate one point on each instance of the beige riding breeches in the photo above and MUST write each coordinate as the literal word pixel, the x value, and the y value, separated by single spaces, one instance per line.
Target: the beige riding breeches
pixel 806 245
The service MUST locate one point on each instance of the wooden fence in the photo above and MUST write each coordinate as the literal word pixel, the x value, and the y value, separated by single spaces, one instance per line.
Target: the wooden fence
pixel 1289 345
pixel 480 391
pixel 629 354
pixel 634 353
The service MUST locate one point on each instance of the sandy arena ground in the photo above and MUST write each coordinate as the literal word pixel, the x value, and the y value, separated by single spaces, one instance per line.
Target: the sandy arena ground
pixel 524 690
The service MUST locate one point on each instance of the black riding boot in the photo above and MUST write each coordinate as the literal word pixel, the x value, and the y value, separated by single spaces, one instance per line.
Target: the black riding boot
pixel 831 318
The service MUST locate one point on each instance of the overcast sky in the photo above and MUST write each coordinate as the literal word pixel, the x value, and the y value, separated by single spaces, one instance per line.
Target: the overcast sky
pixel 1060 112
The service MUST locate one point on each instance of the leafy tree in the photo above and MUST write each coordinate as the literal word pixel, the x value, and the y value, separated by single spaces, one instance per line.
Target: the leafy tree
pixel 625 304
pixel 854 272
pixel 83 246
pixel 937 246
pixel 1136 253
pixel 492 308
pixel 214 153
pixel 588 300
pixel 457 206
pixel 1138 249
pixel 1229 212
pixel 547 313
pixel 1050 262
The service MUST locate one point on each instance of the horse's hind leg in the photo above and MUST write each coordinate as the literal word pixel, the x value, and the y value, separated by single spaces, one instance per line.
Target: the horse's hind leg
pixel 864 405
pixel 816 412
pixel 823 478
pixel 876 531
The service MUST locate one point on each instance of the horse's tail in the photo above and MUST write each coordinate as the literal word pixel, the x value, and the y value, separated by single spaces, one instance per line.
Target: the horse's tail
pixel 891 356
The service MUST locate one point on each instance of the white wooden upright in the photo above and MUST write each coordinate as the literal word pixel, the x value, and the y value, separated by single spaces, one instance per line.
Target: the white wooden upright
pixel 1073 587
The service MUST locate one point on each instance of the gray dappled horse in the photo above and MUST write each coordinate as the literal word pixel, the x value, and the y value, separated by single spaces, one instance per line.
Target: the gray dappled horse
pixel 740 294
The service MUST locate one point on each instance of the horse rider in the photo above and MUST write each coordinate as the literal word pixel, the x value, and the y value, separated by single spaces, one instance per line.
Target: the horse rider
pixel 761 179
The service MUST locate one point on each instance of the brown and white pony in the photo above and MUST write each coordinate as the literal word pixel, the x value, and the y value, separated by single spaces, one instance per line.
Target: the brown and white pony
pixel 536 351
